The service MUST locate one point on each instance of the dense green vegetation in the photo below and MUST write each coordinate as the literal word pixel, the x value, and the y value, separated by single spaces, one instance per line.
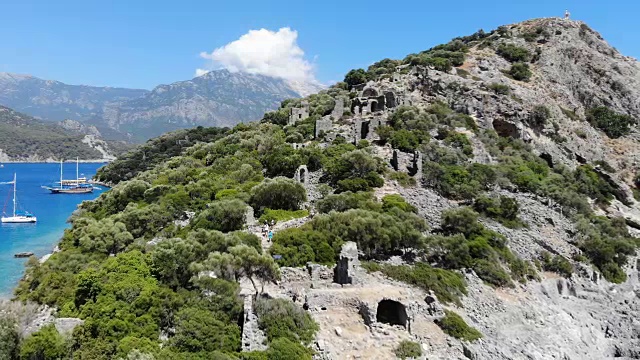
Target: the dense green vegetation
pixel 504 209
pixel 155 151
pixel 129 290
pixel 613 124
pixel 442 57
pixel 22 136
pixel 455 326
pixel 556 263
pixel 513 53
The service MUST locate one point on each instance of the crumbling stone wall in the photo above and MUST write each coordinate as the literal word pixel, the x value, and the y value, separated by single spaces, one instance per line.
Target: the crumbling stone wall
pixel 348 265
pixel 338 109
pixel 323 125
pixel 299 114
pixel 253 338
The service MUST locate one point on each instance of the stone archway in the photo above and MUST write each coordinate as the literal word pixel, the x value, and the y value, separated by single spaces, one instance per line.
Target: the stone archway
pixel 373 106
pixel 302 174
pixel 392 312
pixel 370 92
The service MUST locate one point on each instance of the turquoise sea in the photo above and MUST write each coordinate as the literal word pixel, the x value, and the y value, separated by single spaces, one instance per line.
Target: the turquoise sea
pixel 51 210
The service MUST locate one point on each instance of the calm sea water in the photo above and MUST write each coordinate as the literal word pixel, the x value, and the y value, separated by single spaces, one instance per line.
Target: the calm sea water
pixel 51 210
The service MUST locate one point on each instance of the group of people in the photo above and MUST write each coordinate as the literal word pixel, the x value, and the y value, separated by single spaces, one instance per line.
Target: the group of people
pixel 268 231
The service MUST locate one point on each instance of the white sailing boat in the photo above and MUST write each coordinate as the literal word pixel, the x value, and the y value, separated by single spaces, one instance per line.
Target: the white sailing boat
pixel 77 186
pixel 17 217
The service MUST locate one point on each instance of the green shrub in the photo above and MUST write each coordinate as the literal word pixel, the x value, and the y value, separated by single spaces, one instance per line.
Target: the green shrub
pixel 285 349
pixel 491 272
pixel 280 318
pixel 404 140
pixel 278 194
pixel 513 53
pixel 222 215
pixel 500 89
pixel 282 215
pixel 539 115
pixel 636 180
pixel 557 264
pixel 44 344
pixel 613 124
pixel 459 141
pixel 520 71
pixel 397 201
pixel 408 349
pixel 452 324
pixel 9 338
pixel 504 209
pixel 607 243
pixel 356 77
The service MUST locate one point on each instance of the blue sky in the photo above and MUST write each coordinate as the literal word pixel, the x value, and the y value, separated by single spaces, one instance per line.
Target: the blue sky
pixel 145 43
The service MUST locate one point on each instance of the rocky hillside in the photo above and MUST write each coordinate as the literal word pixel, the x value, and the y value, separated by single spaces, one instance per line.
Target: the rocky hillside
pixel 23 138
pixel 477 200
pixel 218 98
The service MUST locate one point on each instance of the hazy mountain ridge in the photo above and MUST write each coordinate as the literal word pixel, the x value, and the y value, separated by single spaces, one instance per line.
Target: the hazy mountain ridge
pixel 218 98
pixel 55 101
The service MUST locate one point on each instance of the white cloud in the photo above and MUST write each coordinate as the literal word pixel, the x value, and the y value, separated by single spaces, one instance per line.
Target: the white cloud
pixel 200 72
pixel 263 52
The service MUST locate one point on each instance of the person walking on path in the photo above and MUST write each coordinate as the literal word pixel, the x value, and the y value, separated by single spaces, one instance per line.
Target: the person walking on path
pixel 270 235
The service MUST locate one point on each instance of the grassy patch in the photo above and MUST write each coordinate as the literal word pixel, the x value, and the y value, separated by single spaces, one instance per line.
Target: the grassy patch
pixel 402 178
pixel 462 73
pixel 452 324
pixel 282 215
pixel 448 286
pixel 408 349
pixel 570 114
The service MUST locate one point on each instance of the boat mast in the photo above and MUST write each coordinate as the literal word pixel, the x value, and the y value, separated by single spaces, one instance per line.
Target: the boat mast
pixel 61 174
pixel 77 176
pixel 14 193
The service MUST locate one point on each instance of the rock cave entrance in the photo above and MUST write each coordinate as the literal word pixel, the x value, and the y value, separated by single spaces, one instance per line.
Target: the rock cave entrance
pixel 392 313
pixel 505 129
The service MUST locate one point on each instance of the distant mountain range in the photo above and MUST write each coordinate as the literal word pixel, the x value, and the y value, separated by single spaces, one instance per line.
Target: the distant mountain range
pixel 218 98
